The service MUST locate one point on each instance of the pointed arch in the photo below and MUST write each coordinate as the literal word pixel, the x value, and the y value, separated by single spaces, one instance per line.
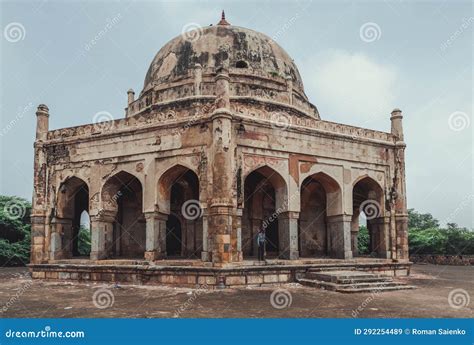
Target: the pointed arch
pixel 179 198
pixel 265 204
pixel 122 203
pixel 368 200
pixel 72 199
pixel 320 198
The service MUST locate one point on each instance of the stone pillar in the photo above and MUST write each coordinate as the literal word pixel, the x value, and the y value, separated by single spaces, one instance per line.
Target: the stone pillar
pixel 236 238
pixel 37 238
pixel 288 235
pixel 197 79
pixel 383 231
pixel 355 233
pixel 339 231
pixel 399 188
pixel 155 233
pixel 101 236
pixel 39 218
pixel 61 238
pixel 42 122
pixel 396 124
pixel 289 88
pixel 222 162
pixel 205 237
pixel 130 96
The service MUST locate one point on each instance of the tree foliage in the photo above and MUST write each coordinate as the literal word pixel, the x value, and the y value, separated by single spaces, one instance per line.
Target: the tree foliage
pixel 425 236
pixel 14 231
pixel 421 220
pixel 84 241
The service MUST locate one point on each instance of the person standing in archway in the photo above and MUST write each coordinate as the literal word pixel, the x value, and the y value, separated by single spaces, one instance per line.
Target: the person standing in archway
pixel 261 244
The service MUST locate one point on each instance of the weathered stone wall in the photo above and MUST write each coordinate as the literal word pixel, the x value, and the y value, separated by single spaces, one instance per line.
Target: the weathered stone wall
pixel 455 260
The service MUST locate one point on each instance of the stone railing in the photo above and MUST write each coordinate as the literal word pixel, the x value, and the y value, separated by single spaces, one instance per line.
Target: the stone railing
pixel 284 119
pixel 200 106
pixel 436 259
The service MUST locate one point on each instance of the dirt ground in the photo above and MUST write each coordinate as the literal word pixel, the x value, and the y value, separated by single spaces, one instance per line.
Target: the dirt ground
pixel 22 297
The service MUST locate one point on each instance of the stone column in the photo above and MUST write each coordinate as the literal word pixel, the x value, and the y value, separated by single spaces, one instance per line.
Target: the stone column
pixel 399 188
pixel 288 235
pixel 355 234
pixel 236 238
pixel 155 232
pixel 205 237
pixel 37 238
pixel 383 243
pixel 197 79
pixel 38 216
pixel 101 236
pixel 339 231
pixel 222 163
pixel 61 238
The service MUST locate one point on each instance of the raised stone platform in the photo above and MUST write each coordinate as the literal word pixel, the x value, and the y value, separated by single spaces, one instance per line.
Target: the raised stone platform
pixel 194 273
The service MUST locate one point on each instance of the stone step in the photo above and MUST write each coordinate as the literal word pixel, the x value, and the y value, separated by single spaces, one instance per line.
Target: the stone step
pixel 364 280
pixel 365 287
pixel 342 276
pixel 351 281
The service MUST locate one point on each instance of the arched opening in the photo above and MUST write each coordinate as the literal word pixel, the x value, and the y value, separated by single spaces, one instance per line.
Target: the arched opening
pixel 368 229
pixel 173 236
pixel 241 64
pixel 179 198
pixel 320 197
pixel 122 197
pixel 264 202
pixel 84 236
pixel 72 201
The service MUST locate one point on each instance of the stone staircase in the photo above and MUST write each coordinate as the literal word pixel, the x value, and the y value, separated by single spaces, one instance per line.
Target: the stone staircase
pixel 351 281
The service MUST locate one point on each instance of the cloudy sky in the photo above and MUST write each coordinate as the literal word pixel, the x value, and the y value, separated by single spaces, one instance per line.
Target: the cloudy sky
pixel 358 61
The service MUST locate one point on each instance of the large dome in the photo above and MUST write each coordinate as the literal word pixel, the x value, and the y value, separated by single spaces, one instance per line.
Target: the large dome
pixel 251 52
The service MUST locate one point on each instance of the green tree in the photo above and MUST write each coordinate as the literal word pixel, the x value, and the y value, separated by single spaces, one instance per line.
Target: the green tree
pixel 84 241
pixel 421 220
pixel 14 231
pixel 363 240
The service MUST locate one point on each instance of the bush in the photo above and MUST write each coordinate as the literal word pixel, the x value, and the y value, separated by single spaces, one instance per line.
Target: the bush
pixel 84 241
pixel 14 231
pixel 450 241
pixel 363 240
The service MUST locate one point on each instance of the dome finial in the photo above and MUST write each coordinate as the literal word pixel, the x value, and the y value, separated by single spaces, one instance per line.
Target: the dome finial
pixel 223 21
